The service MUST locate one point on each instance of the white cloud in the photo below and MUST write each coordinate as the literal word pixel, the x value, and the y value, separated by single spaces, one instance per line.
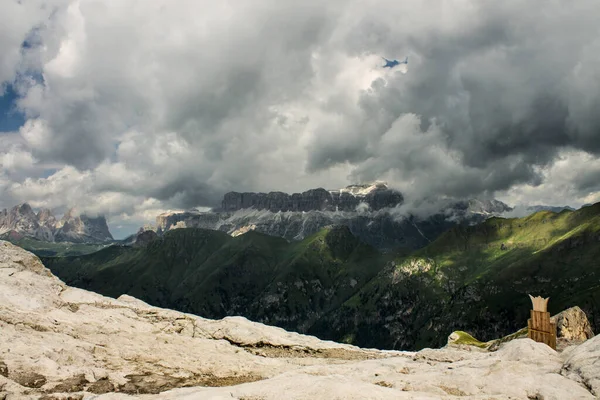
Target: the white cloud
pixel 17 19
pixel 152 105
pixel 574 179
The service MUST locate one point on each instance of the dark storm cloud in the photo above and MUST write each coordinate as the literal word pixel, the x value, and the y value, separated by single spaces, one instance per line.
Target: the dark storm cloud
pixel 588 180
pixel 500 90
pixel 173 104
pixel 188 193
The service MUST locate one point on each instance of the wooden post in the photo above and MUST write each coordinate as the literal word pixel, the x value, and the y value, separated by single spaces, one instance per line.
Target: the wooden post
pixel 539 326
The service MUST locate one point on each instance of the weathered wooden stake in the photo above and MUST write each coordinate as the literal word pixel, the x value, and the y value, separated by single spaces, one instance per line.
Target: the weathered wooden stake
pixel 540 328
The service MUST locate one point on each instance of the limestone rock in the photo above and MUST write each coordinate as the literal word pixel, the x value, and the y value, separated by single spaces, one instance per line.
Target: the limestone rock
pixel 74 344
pixel 16 259
pixel 582 364
pixel 101 386
pixel 29 379
pixel 572 324
pixel 76 383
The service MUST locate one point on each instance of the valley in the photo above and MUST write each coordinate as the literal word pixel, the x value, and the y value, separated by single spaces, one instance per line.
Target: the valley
pixel 333 286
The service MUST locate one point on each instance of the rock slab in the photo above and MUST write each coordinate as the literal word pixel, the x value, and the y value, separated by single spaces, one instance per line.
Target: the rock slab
pixel 70 343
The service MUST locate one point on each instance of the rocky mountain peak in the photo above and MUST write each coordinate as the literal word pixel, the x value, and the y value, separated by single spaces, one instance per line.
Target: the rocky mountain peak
pixel 81 228
pixel 23 209
pixel 22 221
pixel 45 217
pixel 70 214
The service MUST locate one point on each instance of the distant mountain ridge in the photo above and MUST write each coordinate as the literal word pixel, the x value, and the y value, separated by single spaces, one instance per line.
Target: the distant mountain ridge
pixel 22 222
pixel 371 212
pixel 375 196
pixel 556 209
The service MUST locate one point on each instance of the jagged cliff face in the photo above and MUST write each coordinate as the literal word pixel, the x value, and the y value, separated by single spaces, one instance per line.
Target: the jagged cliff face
pixel 20 221
pixel 82 228
pixel 370 211
pixel 375 196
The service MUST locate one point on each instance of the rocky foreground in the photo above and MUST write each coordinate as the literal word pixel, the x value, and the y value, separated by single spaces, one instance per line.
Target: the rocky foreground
pixel 59 342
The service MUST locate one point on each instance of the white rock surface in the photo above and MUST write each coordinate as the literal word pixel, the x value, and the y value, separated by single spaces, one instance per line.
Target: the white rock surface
pixel 58 332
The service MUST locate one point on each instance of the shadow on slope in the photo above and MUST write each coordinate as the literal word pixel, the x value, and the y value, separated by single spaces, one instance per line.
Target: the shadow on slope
pixel 211 274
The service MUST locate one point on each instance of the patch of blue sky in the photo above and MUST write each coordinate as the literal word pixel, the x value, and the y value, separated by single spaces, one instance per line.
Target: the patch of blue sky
pixel 11 119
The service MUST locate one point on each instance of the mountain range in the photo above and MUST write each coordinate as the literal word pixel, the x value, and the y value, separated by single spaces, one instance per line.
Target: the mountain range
pixel 372 212
pixel 334 286
pixel 22 222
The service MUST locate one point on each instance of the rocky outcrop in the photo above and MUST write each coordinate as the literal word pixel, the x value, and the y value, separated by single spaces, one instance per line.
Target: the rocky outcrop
pixel 144 237
pixel 581 365
pixel 573 325
pixel 58 342
pixel 21 221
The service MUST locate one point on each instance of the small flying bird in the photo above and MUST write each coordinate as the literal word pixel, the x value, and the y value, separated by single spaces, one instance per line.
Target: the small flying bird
pixel 394 63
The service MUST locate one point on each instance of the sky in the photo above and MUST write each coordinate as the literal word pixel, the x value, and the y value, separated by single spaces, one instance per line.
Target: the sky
pixel 129 108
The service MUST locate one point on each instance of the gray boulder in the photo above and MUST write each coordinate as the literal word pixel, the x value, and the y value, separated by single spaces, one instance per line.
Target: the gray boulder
pixel 572 324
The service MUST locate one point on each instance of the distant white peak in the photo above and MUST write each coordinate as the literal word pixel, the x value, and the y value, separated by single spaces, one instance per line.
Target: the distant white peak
pixel 168 213
pixel 363 189
pixel 188 211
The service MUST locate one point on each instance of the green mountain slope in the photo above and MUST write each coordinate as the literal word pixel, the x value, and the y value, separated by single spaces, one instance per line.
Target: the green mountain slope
pixel 51 249
pixel 477 279
pixel 472 278
pixel 211 274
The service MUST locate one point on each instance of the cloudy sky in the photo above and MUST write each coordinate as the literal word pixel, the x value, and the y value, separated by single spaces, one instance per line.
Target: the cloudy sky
pixel 129 108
